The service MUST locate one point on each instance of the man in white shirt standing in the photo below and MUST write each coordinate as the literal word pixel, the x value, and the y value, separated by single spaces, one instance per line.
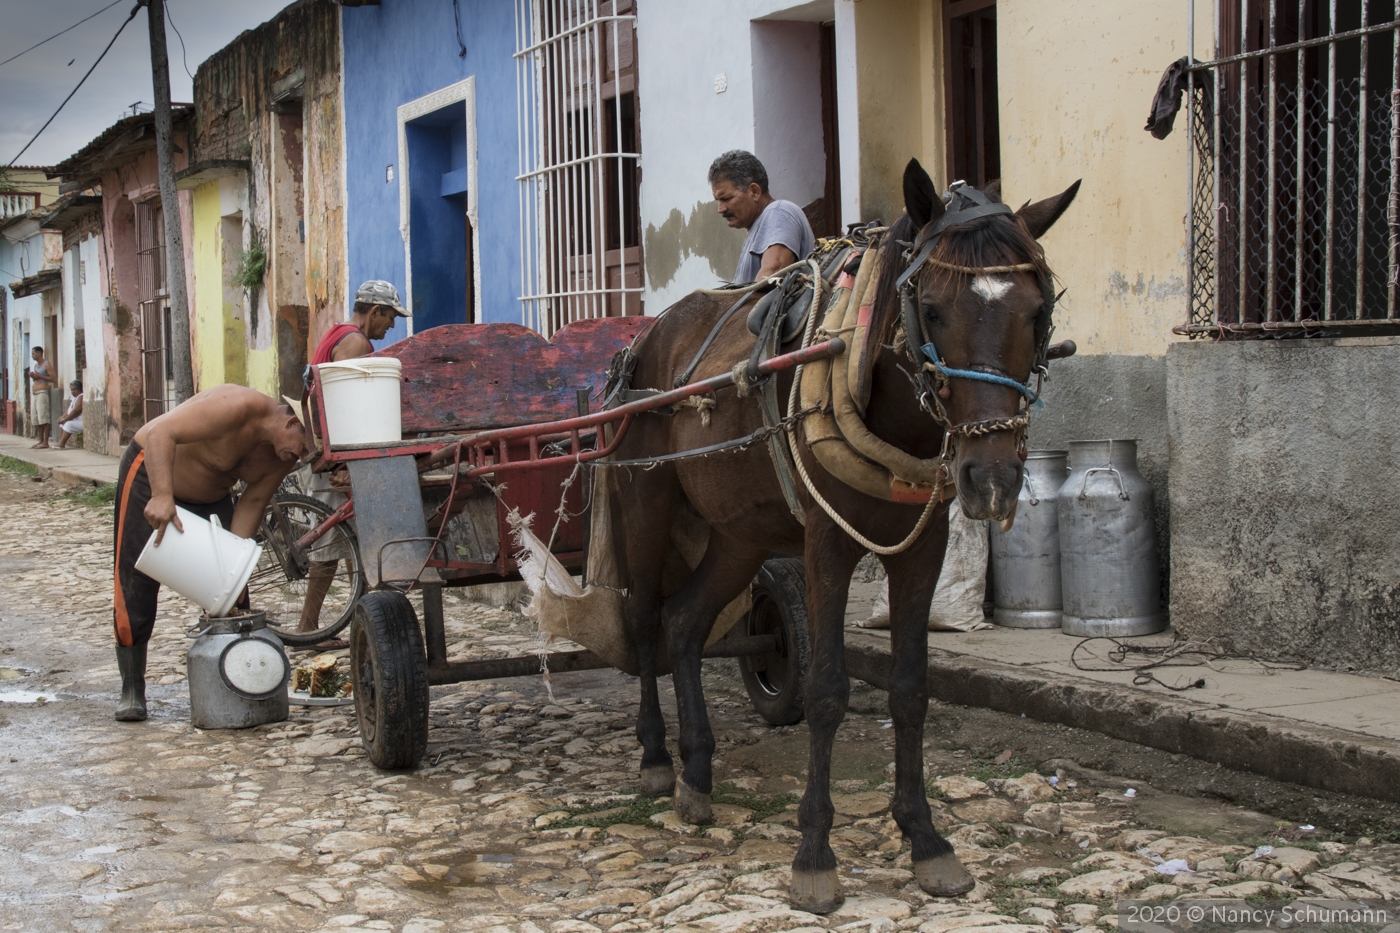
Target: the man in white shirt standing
pixel 779 233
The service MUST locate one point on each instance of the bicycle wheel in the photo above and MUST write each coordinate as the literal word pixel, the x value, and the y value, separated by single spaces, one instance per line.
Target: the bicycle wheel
pixel 280 587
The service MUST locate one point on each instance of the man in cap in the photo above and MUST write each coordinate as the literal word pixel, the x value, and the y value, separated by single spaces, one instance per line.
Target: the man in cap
pixel 191 457
pixel 376 307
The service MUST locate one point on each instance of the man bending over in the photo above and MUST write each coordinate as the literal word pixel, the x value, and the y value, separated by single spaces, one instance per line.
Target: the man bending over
pixel 191 457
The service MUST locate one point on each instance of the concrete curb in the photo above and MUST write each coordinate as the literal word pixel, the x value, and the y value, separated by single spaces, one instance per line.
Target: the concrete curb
pixel 70 475
pixel 1283 749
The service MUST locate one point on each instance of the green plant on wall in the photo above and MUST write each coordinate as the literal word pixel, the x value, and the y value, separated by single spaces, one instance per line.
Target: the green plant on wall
pixel 252 266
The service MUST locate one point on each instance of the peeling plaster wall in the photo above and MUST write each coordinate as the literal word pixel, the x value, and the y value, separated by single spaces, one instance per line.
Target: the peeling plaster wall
pixel 1075 80
pixel 889 92
pixel 293 193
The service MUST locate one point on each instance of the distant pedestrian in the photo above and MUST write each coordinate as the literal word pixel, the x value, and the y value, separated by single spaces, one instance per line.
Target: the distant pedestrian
pixel 779 233
pixel 41 380
pixel 71 421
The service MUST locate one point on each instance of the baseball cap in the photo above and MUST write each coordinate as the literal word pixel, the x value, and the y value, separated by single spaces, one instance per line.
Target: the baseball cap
pixel 295 407
pixel 380 292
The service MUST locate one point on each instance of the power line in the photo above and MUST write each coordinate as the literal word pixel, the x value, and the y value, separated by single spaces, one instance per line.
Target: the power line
pixel 129 18
pixel 183 55
pixel 57 34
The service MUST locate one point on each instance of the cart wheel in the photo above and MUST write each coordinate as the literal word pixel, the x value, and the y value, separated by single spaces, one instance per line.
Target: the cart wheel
pixel 391 682
pixel 776 682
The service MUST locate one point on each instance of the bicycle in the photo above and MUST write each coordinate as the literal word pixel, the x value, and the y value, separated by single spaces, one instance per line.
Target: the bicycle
pixel 287 571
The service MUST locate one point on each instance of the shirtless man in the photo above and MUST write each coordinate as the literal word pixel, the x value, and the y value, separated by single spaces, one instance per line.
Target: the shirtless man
pixel 191 457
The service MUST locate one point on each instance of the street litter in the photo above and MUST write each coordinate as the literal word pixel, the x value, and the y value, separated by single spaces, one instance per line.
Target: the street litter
pixel 1174 867
pixel 1262 851
pixel 1307 827
pixel 319 677
pixel 1130 792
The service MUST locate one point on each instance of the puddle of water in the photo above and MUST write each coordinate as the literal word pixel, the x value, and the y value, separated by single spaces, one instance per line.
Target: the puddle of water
pixel 14 673
pixel 470 868
pixel 26 696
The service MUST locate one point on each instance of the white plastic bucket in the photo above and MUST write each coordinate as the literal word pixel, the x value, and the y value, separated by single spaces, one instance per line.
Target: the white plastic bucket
pixel 206 564
pixel 362 401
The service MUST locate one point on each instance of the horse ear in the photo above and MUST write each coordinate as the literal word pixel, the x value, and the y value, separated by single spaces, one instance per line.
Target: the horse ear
pixel 993 188
pixel 921 199
pixel 1041 216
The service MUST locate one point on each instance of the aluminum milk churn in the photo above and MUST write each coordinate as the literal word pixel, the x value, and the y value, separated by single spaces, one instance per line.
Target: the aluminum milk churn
pixel 238 674
pixel 1108 543
pixel 1026 559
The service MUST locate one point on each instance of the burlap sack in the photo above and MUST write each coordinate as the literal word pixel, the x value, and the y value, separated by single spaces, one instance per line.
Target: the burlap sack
pixel 962 584
pixel 592 614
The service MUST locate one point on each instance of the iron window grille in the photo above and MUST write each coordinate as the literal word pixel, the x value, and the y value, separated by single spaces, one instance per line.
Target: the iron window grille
pixel 1294 165
pixel 580 220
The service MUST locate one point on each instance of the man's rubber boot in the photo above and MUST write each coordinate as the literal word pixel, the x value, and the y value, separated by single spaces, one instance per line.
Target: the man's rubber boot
pixel 132 663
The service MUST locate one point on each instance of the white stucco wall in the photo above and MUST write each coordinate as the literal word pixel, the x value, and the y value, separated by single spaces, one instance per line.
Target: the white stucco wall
pixel 682 47
pixel 82 317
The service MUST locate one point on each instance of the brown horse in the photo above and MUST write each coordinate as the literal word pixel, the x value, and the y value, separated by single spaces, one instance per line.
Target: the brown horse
pixel 985 323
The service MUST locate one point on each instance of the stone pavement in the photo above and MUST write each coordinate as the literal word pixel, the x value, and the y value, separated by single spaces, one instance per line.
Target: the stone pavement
pixel 71 466
pixel 524 817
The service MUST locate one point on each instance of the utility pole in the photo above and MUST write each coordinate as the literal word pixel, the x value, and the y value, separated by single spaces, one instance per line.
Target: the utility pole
pixel 179 349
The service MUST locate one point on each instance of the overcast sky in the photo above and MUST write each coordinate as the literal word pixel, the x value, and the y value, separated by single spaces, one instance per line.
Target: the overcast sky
pixel 35 84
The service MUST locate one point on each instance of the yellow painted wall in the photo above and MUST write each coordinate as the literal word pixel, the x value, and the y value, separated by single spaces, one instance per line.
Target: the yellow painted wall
pixel 1075 81
pixel 899 84
pixel 208 287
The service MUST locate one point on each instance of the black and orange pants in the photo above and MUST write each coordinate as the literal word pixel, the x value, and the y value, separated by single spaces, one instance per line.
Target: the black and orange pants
pixel 134 595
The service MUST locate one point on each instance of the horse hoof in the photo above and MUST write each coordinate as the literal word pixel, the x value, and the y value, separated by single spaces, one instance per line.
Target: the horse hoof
pixel 657 781
pixel 816 892
pixel 943 876
pixel 693 806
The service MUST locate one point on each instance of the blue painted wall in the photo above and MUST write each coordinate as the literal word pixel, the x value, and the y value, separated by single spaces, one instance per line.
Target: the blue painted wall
pixel 398 52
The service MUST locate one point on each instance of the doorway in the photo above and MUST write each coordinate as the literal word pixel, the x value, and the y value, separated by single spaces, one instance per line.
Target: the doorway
pixel 974 131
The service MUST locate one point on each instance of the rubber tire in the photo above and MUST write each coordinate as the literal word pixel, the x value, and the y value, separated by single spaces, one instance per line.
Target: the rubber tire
pixel 391 680
pixel 779 605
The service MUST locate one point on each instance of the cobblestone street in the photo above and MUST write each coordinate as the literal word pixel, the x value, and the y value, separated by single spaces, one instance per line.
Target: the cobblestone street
pixel 524 817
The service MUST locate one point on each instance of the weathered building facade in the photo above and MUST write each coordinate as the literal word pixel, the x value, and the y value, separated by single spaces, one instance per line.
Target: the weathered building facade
pixel 267 226
pixel 132 313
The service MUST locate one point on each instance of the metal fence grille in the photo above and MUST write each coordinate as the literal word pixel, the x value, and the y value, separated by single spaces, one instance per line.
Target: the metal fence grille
pixel 1294 207
pixel 580 229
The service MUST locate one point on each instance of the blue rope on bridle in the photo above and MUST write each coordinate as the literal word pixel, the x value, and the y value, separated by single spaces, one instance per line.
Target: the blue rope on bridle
pixel 931 354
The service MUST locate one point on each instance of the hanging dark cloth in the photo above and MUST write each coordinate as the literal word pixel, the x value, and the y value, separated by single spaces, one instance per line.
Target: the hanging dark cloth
pixel 1167 101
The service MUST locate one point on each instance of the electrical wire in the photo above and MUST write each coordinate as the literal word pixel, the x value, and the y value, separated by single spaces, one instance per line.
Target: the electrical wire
pixel 1141 660
pixel 57 34
pixel 129 18
pixel 457 21
pixel 184 59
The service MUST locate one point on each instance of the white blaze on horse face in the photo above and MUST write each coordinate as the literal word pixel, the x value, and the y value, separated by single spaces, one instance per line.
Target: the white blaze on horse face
pixel 991 287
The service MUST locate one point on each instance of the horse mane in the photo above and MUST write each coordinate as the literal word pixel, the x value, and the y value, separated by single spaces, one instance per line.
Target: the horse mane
pixel 997 240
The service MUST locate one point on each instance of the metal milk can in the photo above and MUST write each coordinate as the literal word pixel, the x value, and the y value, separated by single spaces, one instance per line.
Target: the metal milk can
pixel 1026 559
pixel 1108 543
pixel 238 674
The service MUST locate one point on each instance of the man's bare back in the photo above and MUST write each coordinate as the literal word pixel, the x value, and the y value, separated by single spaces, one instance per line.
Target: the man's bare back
pixel 200 449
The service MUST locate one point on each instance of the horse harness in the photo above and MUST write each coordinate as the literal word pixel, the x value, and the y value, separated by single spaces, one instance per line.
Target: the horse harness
pixel 932 375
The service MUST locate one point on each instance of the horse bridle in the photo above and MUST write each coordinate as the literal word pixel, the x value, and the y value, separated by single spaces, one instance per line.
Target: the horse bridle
pixel 932 376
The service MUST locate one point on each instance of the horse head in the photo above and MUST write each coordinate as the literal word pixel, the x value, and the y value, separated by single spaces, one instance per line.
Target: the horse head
pixel 976 291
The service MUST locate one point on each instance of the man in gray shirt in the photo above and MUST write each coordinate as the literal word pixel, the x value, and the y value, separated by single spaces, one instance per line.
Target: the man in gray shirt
pixel 779 233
